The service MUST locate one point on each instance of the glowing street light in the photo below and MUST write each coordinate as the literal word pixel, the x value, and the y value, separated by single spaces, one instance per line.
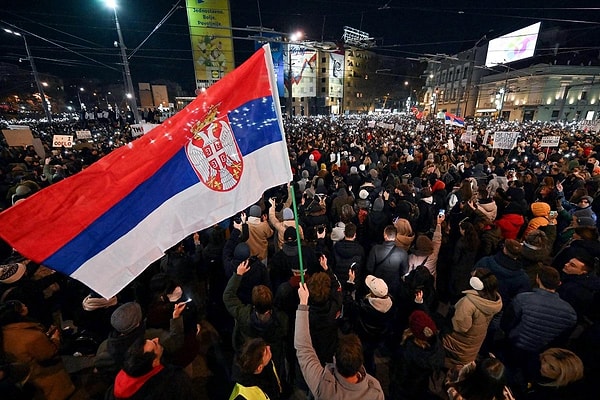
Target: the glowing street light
pixel 292 38
pixel 35 75
pixel 121 44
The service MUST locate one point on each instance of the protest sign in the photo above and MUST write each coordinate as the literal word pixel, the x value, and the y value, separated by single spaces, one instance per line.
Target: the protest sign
pixel 550 141
pixel 18 137
pixel 62 141
pixel 84 134
pixel 505 140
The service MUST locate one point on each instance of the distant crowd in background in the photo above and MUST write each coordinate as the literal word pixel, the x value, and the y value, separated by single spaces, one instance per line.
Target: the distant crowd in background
pixel 430 265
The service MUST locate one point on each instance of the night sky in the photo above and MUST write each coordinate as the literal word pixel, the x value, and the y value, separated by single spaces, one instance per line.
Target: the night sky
pixel 83 32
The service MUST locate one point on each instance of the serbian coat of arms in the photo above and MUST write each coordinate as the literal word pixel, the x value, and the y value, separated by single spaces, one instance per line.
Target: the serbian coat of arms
pixel 214 153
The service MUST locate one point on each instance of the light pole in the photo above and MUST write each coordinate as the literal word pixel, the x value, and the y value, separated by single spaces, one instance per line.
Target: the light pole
pixel 293 38
pixel 81 105
pixel 130 91
pixel 35 75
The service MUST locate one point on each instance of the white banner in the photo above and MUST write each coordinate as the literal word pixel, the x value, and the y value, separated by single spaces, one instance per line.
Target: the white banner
pixel 420 128
pixel 62 141
pixel 550 141
pixel 85 134
pixel 371 124
pixel 141 129
pixel 505 140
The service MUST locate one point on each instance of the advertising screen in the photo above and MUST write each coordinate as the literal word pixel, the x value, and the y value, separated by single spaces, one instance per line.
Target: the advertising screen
pixel 513 46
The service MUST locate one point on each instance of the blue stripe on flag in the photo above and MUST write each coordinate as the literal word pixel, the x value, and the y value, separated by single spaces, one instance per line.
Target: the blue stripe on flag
pixel 255 125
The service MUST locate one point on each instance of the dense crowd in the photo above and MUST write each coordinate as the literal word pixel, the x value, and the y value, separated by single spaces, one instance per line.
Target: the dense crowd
pixel 469 271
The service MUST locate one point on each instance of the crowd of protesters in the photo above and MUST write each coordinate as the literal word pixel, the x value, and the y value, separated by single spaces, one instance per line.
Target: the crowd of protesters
pixel 470 271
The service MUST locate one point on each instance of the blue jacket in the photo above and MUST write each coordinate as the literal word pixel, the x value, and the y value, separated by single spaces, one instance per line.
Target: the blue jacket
pixel 536 319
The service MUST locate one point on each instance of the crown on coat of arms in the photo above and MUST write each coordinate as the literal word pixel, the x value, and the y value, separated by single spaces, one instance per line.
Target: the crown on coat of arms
pixel 208 119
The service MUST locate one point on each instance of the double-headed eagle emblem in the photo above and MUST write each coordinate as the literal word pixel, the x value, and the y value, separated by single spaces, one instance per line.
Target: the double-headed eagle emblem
pixel 213 152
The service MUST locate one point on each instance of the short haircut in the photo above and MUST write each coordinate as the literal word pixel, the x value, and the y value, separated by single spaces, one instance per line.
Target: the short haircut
pixel 319 287
pixel 251 355
pixel 262 298
pixel 137 362
pixel 390 232
pixel 549 277
pixel 349 355
pixel 349 230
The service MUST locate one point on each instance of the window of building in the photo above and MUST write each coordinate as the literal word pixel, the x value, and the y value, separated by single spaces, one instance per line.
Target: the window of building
pixel 322 90
pixel 584 95
pixel 323 80
pixel 465 72
pixel 555 113
pixel 324 59
pixel 323 70
pixel 458 77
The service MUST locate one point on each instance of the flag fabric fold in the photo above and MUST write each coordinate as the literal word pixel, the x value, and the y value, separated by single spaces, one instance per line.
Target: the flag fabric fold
pixel 454 120
pixel 106 224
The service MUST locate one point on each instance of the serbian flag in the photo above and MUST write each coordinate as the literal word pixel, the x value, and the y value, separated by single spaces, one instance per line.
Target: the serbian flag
pixel 106 224
pixel 454 120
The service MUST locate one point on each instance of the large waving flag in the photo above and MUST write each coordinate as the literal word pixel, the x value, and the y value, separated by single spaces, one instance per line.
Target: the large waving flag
pixel 454 120
pixel 106 224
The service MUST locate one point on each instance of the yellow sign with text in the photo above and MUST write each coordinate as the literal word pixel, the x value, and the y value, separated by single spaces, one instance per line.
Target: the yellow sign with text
pixel 211 37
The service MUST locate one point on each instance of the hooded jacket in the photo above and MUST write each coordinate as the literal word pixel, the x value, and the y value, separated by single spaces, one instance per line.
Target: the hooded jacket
pixel 405 235
pixel 470 322
pixel 540 211
pixel 161 383
pixel 248 325
pixel 511 221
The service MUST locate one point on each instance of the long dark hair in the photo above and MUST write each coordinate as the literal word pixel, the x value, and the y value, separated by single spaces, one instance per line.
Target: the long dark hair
pixel 470 237
pixel 485 382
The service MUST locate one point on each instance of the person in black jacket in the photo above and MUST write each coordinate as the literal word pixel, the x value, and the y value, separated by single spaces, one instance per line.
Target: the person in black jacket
pixel 387 261
pixel 347 252
pixel 370 317
pixel 235 252
pixel 419 356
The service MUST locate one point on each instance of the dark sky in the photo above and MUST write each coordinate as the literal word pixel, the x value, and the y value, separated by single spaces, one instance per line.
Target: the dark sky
pixel 401 29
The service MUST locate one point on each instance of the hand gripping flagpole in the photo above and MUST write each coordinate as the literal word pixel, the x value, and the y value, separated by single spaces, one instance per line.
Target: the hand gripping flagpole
pixel 297 232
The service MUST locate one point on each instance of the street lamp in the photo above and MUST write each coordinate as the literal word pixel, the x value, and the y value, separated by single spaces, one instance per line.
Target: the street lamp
pixel 130 92
pixel 81 105
pixel 35 75
pixel 292 38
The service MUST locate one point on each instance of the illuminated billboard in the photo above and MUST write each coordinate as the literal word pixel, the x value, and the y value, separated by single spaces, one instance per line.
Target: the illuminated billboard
pixel 336 75
pixel 212 43
pixel 304 71
pixel 513 46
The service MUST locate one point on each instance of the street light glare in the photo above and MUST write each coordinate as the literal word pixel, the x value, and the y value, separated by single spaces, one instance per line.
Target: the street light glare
pixel 111 3
pixel 296 36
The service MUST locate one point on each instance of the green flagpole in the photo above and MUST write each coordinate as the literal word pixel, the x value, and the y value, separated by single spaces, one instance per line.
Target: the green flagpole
pixel 293 192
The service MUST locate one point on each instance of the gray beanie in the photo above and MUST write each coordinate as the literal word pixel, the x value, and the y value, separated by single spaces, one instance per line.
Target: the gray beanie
pixel 378 204
pixel 255 211
pixel 126 318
